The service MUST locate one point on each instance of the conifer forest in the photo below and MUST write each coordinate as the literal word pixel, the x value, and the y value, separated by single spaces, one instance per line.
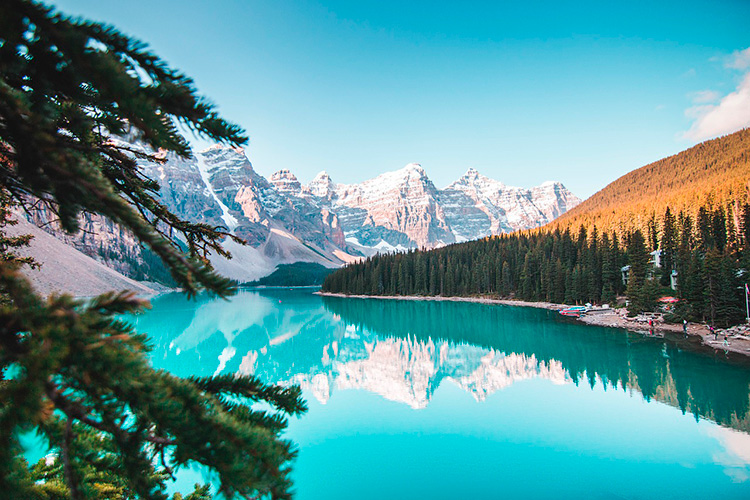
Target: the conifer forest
pixel 708 252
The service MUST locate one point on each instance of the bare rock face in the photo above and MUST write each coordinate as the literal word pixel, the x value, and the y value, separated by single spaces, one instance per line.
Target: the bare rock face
pixel 553 199
pixel 466 219
pixel 404 201
pixel 183 189
pixel 402 209
pixel 339 222
pixel 272 216
pixel 286 183
pixel 505 208
pixel 98 238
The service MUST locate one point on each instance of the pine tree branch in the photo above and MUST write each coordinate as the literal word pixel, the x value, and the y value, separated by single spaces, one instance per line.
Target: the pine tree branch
pixel 79 412
pixel 70 476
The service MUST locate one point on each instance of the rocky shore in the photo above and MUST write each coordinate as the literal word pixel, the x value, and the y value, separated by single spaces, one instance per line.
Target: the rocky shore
pixel 738 337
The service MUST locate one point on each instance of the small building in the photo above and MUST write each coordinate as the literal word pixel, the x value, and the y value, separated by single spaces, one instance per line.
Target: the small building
pixel 655 258
pixel 655 262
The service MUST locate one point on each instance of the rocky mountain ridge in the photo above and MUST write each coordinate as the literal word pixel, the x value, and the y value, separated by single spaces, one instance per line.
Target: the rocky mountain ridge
pixel 329 223
pixel 285 221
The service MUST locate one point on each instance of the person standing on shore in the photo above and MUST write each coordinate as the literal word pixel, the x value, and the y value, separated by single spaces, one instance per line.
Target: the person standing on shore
pixel 684 327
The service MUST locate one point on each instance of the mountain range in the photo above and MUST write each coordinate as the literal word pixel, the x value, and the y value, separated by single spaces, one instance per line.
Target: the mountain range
pixel 322 222
pixel 328 223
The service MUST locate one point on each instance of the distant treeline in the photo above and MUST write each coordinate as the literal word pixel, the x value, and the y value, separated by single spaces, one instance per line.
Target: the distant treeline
pixel 295 274
pixel 708 248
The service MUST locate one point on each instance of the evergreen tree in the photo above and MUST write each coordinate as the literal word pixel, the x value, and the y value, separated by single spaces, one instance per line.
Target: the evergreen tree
pixel 705 234
pixel 719 229
pixel 69 89
pixel 9 245
pixel 638 261
pixel 744 229
pixel 744 239
pixel 683 261
pixel 652 231
pixel 507 280
pixel 712 281
pixel 610 270
pixel 668 246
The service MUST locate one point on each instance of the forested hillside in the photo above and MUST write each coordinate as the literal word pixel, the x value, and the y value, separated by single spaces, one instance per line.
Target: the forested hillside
pixel 713 172
pixel 694 210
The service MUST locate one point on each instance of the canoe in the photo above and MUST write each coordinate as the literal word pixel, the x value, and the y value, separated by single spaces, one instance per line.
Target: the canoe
pixel 574 311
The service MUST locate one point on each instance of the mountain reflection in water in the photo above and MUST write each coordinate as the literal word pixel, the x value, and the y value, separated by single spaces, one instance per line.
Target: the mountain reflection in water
pixel 403 350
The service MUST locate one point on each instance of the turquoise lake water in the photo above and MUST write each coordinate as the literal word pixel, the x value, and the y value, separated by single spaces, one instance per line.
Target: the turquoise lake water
pixel 446 400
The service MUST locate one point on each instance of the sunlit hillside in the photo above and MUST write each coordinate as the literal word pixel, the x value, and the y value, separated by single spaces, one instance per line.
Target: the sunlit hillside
pixel 714 172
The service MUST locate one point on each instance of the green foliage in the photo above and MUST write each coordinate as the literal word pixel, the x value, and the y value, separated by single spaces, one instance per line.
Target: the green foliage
pixel 68 89
pixel 640 292
pixel 98 374
pixel 555 266
pixel 668 246
pixel 72 371
pixel 97 475
pixel 10 244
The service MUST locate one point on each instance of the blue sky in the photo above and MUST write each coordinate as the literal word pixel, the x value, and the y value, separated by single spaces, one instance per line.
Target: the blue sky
pixel 580 92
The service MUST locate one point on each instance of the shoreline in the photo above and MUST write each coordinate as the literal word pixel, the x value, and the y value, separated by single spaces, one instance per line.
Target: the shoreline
pixel 611 318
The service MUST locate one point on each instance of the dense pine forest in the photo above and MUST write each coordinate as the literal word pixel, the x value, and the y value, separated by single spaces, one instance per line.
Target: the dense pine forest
pixel 701 243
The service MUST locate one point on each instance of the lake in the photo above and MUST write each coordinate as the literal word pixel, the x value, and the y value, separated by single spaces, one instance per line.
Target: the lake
pixel 447 400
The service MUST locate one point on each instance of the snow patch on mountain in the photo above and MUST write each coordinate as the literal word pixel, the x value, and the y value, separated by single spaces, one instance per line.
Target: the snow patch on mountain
pixel 203 168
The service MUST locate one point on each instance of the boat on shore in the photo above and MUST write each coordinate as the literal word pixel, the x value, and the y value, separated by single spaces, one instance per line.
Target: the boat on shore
pixel 574 311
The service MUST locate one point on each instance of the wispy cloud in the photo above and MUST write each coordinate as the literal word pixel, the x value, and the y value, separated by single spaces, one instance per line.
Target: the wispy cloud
pixel 740 59
pixel 704 96
pixel 730 114
pixel 689 73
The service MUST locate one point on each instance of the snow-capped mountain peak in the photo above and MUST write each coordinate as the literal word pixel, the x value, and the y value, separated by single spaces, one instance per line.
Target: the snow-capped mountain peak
pixel 471 173
pixel 333 223
pixel 480 184
pixel 321 186
pixel 414 167
pixel 478 205
pixel 388 180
